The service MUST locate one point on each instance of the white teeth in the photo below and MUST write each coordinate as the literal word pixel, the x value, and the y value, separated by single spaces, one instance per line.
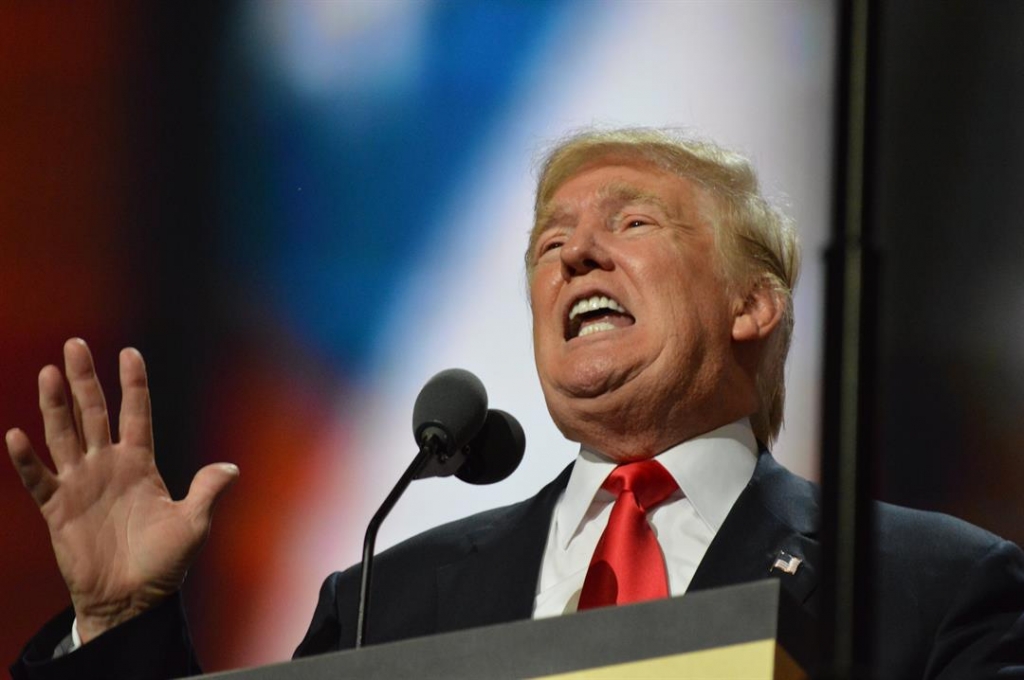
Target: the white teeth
pixel 592 328
pixel 594 303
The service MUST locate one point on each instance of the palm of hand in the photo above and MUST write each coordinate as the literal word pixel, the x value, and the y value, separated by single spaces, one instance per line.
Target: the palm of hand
pixel 122 544
pixel 118 537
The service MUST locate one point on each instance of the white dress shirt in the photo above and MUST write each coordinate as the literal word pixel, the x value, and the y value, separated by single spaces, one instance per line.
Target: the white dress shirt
pixel 711 470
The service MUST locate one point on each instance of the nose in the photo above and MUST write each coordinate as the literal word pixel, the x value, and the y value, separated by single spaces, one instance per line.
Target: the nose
pixel 585 251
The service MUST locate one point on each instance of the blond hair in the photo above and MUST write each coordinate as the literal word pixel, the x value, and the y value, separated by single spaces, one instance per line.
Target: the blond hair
pixel 757 244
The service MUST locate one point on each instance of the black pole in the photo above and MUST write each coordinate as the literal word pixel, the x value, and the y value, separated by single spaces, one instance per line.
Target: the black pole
pixel 428 451
pixel 849 366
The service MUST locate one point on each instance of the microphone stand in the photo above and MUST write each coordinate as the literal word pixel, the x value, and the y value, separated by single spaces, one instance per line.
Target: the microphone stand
pixel 432 446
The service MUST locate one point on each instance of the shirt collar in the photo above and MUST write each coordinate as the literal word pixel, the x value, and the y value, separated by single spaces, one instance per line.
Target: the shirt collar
pixel 711 469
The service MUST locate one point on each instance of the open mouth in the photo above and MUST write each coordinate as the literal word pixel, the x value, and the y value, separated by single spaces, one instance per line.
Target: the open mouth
pixel 596 314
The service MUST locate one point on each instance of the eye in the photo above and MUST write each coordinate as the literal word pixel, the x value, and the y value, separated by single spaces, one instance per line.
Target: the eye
pixel 634 222
pixel 548 246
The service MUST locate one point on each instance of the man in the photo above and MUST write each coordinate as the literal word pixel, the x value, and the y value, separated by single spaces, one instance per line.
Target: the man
pixel 660 284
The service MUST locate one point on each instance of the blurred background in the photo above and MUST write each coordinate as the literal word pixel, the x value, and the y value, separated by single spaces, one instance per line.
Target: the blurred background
pixel 300 211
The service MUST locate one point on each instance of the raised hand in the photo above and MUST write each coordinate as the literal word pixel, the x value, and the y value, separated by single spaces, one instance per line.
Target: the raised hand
pixel 121 542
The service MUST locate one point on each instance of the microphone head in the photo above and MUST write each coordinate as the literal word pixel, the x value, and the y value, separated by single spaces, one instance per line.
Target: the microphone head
pixel 495 452
pixel 452 406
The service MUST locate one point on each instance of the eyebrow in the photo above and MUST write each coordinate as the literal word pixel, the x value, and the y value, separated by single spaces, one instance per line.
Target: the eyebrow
pixel 616 195
pixel 550 214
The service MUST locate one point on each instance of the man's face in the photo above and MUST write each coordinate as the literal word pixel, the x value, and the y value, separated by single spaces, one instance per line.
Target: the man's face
pixel 631 319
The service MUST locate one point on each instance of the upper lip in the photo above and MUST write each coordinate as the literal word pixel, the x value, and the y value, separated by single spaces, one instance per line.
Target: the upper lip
pixel 571 326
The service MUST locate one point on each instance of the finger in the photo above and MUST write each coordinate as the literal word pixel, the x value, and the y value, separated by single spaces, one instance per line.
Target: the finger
pixel 59 427
pixel 87 394
pixel 207 487
pixel 135 426
pixel 37 478
pixel 76 412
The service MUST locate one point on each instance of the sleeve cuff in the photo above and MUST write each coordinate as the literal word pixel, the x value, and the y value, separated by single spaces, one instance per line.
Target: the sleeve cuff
pixel 76 639
pixel 155 645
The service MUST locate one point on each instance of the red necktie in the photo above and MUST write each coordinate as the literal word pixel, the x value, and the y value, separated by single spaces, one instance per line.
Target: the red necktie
pixel 628 565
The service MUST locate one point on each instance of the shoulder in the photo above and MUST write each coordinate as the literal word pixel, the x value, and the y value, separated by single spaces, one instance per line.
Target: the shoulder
pixel 917 547
pixel 479 531
pixel 415 580
pixel 947 595
pixel 954 589
pixel 404 588
pixel 918 553
pixel 928 534
pixel 900 532
pixel 454 539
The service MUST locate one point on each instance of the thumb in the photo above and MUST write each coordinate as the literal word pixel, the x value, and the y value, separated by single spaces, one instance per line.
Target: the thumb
pixel 207 487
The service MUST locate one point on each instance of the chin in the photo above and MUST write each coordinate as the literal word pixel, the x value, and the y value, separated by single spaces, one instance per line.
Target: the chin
pixel 589 416
pixel 593 378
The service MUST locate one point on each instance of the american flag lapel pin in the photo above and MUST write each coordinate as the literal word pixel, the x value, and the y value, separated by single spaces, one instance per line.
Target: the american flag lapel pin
pixel 786 563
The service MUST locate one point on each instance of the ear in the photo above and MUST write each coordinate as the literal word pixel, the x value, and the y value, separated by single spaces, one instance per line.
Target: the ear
pixel 758 314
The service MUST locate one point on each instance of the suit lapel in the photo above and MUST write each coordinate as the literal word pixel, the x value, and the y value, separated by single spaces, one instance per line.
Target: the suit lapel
pixel 776 513
pixel 496 579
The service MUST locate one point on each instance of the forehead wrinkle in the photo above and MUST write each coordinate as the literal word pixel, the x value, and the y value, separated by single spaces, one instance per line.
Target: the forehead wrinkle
pixel 551 215
pixel 615 195
pixel 611 196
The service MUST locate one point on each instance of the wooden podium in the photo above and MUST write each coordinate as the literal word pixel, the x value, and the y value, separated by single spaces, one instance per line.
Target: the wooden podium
pixel 749 631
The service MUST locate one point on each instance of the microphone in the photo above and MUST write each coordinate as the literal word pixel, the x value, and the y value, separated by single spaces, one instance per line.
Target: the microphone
pixel 450 409
pixel 495 452
pixel 456 434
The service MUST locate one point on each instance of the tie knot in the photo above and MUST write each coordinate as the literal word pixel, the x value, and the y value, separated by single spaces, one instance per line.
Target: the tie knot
pixel 648 481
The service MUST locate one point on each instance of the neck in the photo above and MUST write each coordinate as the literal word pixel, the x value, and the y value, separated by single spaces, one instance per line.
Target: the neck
pixel 616 440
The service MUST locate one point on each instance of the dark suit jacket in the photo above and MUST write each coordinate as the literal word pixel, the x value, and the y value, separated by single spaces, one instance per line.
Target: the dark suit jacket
pixel 950 595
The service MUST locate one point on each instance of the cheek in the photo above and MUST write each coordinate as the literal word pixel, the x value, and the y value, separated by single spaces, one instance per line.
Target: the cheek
pixel 543 299
pixel 689 301
pixel 540 281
